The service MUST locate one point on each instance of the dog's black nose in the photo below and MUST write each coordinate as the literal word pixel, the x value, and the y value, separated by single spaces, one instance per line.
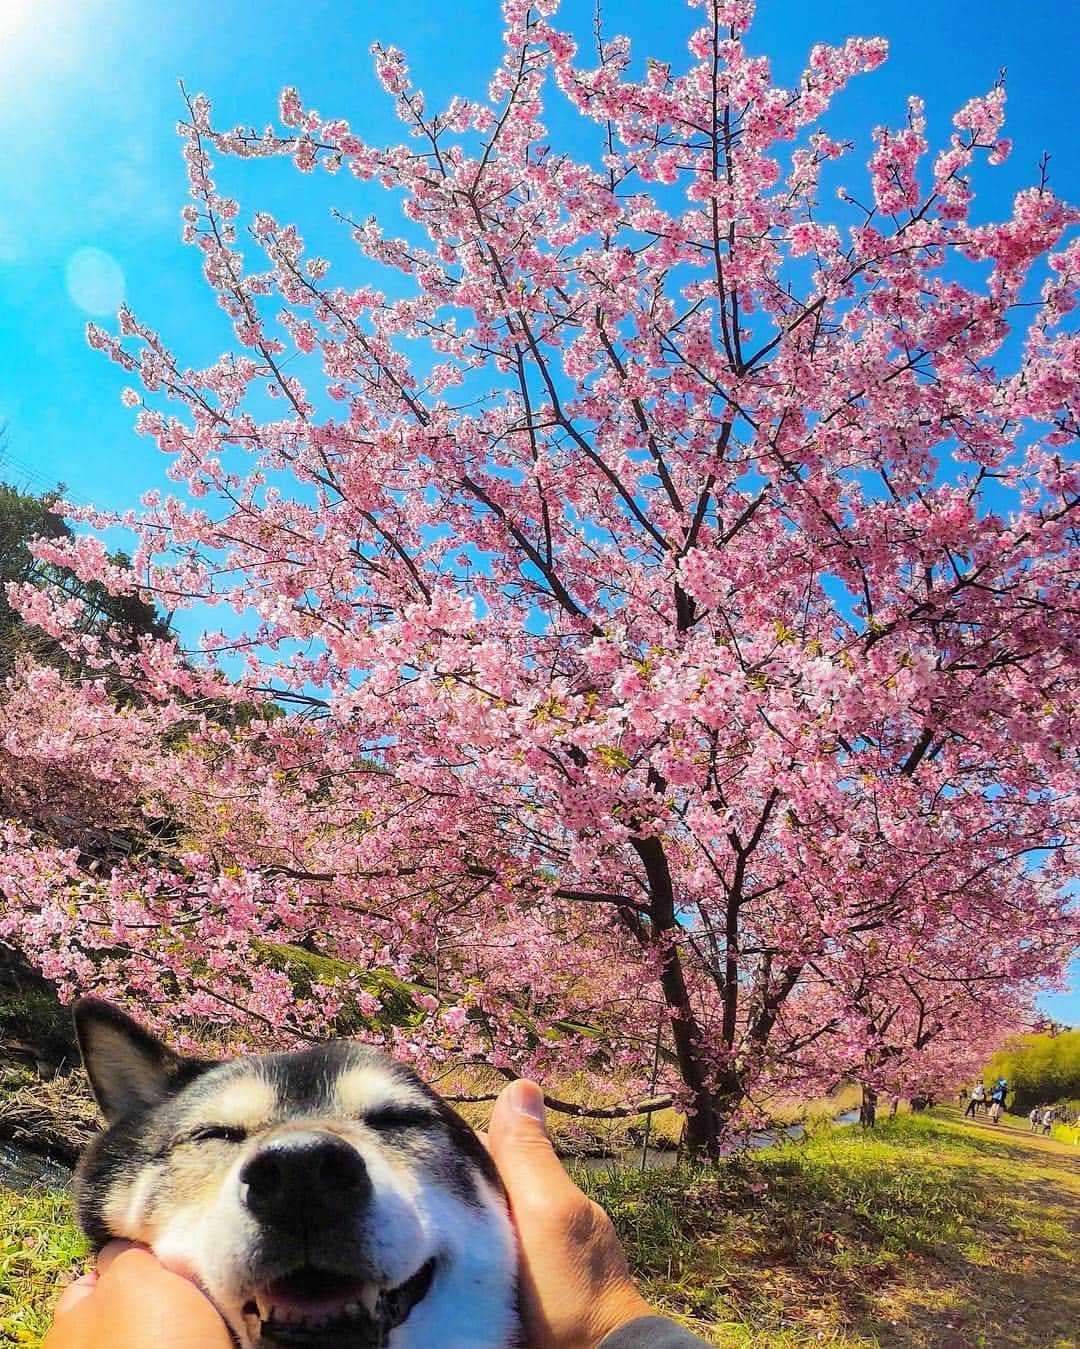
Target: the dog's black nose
pixel 304 1180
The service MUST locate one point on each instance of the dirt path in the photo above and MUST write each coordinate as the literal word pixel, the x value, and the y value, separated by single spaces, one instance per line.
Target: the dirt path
pixel 982 1127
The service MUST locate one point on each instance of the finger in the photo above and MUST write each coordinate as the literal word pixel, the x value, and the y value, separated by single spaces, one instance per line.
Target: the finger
pixel 139 1269
pixel 110 1253
pixel 518 1115
pixel 161 1305
pixel 519 1144
pixel 76 1292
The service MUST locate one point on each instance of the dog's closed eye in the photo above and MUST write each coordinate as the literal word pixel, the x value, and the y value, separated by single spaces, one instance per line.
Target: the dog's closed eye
pixel 205 1133
pixel 390 1117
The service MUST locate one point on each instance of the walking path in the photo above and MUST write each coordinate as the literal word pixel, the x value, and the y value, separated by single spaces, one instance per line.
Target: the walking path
pixel 1013 1278
pixel 1015 1133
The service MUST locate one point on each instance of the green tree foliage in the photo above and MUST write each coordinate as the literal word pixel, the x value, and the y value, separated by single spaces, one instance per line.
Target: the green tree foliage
pixel 1040 1069
pixel 24 517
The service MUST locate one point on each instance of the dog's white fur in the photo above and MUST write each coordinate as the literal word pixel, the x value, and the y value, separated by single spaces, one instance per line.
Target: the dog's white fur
pixel 161 1183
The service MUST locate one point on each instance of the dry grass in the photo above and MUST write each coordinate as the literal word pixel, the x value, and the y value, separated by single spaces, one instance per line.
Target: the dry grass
pixel 56 1118
pixel 572 1136
pixel 624 1137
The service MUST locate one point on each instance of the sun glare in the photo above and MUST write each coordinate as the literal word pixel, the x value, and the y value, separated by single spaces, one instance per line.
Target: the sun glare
pixel 39 34
pixel 16 18
pixel 95 281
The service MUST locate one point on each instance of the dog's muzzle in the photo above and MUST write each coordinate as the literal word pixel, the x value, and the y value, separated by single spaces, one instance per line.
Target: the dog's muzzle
pixel 306 1189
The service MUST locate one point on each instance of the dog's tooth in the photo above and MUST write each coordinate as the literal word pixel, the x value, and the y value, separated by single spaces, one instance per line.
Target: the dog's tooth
pixel 370 1297
pixel 351 1309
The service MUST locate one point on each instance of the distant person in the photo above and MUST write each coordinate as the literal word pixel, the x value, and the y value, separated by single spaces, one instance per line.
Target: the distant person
pixel 978 1097
pixel 998 1092
pixel 1049 1114
pixel 1034 1116
pixel 961 1096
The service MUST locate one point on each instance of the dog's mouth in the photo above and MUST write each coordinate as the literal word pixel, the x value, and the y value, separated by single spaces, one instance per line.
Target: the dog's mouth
pixel 313 1307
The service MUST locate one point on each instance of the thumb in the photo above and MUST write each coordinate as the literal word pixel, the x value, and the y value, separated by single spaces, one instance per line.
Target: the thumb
pixel 519 1144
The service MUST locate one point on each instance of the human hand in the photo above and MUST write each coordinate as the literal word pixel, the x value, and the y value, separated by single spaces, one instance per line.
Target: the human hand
pixel 131 1301
pixel 575 1284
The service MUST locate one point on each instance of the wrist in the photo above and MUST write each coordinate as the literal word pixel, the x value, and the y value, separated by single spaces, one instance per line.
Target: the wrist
pixel 619 1308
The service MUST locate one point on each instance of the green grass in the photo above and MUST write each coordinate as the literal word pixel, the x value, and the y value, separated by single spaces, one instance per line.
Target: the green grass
pixel 927 1233
pixel 922 1234
pixel 39 1246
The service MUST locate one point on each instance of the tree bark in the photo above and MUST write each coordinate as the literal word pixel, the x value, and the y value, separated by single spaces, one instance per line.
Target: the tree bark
pixel 715 1094
pixel 868 1108
pixel 705 1125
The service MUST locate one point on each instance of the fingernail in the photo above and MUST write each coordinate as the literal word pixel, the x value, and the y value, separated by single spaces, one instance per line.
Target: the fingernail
pixel 527 1099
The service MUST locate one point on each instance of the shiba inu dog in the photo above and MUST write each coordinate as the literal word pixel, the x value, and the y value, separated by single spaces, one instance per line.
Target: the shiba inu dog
pixel 324 1199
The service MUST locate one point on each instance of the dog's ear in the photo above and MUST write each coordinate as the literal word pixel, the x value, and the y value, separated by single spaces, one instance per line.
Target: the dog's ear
pixel 129 1069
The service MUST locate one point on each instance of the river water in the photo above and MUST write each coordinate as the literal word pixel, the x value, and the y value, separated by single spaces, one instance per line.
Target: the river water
pixel 21 1170
pixel 664 1159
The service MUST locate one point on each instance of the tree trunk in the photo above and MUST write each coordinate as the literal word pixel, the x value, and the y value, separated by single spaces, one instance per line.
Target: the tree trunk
pixel 714 1097
pixel 701 1140
pixel 703 1128
pixel 712 1111
pixel 868 1108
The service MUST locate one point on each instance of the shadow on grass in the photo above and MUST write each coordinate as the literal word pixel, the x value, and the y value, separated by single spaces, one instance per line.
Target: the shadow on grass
pixel 919 1236
pixel 971 1313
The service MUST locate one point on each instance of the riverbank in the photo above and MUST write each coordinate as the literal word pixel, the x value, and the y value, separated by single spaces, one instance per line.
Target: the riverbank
pixel 928 1234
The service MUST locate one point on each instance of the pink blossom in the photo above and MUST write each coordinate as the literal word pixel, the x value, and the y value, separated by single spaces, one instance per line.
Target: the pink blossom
pixel 684 643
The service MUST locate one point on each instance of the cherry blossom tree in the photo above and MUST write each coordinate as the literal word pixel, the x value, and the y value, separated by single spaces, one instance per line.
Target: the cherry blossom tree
pixel 908 1027
pixel 668 578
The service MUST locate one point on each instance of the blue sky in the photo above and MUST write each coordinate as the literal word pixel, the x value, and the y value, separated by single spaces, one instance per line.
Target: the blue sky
pixel 92 180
